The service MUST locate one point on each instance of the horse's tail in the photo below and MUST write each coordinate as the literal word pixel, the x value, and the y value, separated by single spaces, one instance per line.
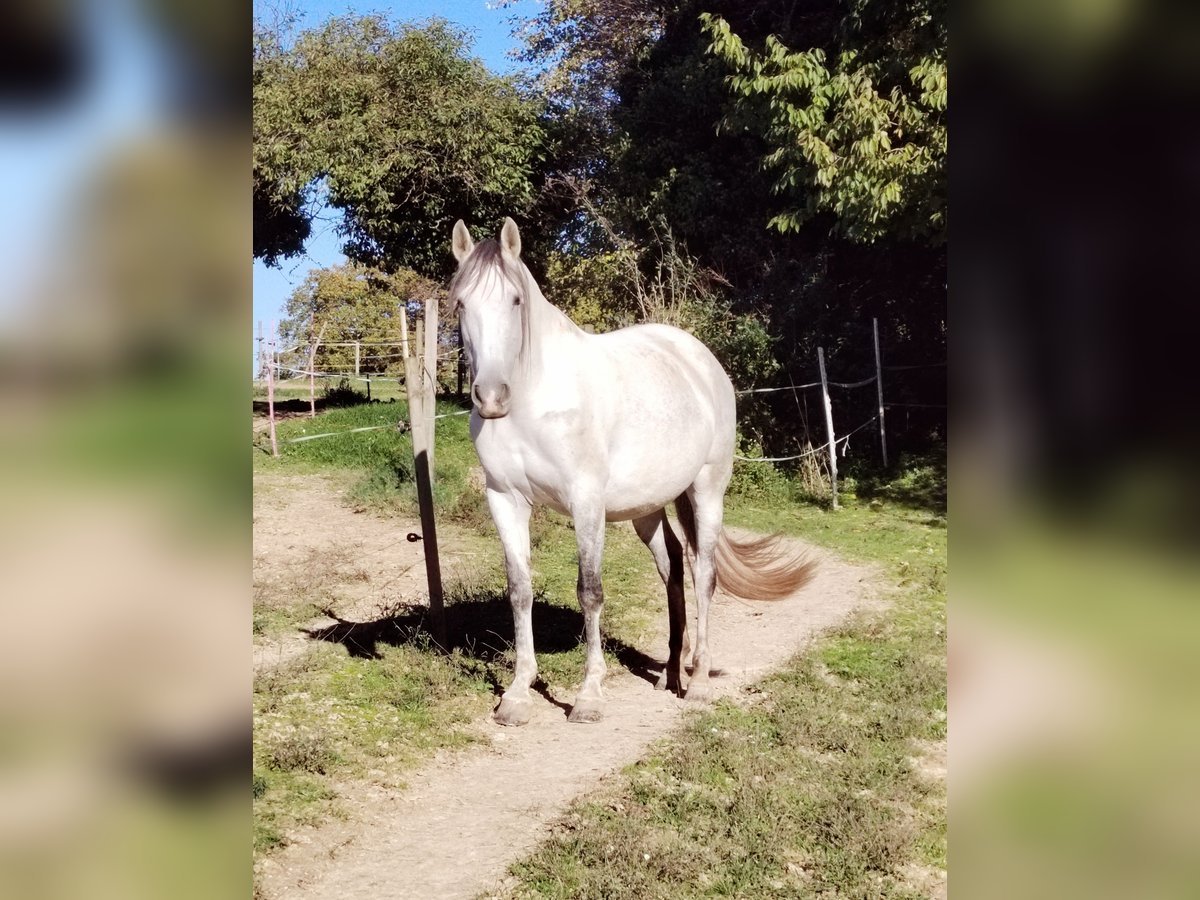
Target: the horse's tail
pixel 755 569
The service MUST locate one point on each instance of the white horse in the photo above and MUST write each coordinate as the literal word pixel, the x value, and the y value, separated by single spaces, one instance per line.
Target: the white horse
pixel 603 427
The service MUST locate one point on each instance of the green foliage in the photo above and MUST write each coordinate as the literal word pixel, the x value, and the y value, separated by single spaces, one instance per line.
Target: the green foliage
pixel 402 130
pixel 342 394
pixel 757 481
pixel 740 341
pixel 660 145
pixel 849 136
pixel 587 43
pixel 351 302
pixel 918 482
pixel 593 288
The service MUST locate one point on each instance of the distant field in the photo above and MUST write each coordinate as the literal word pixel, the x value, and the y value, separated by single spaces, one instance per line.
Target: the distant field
pixel 389 388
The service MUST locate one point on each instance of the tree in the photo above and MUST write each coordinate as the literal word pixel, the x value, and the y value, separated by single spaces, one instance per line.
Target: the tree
pixel 863 137
pixel 675 150
pixel 352 302
pixel 398 128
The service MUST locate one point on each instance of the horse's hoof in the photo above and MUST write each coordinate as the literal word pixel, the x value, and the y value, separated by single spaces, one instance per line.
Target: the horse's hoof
pixel 698 692
pixel 586 712
pixel 513 712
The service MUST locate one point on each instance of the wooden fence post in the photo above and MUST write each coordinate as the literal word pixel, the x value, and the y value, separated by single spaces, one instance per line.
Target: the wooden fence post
pixel 879 389
pixel 312 368
pixel 271 390
pixel 829 427
pixel 356 358
pixel 429 379
pixel 458 394
pixel 422 439
pixel 404 351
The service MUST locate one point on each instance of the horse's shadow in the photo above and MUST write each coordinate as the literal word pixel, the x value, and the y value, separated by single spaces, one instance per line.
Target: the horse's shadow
pixel 479 628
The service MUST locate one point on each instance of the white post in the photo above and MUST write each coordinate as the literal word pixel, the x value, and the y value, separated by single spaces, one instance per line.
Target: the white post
pixel 879 389
pixel 829 427
pixel 356 358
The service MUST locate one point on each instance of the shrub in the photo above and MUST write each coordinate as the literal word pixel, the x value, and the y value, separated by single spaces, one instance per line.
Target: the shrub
pixel 342 394
pixel 756 480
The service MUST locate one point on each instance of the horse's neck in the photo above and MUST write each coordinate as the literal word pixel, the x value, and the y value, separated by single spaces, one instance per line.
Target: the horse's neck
pixel 549 322
pixel 550 329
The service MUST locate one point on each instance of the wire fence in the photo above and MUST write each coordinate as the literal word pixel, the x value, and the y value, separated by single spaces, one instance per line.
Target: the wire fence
pixel 273 365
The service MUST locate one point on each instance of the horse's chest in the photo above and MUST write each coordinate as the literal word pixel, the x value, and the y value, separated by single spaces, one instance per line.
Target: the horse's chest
pixel 536 470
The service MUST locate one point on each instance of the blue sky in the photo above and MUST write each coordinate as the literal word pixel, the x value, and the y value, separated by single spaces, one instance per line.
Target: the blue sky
pixel 493 41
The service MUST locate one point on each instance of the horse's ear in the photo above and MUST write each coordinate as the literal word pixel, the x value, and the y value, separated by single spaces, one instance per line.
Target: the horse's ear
pixel 462 243
pixel 510 238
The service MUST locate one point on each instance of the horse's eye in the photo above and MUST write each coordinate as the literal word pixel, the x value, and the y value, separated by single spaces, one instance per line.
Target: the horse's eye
pixel 517 300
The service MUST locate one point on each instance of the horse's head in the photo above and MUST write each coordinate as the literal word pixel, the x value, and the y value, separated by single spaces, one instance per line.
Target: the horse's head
pixel 491 293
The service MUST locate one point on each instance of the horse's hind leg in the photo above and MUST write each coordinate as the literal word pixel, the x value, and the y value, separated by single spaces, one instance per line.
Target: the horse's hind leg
pixel 511 515
pixel 589 535
pixel 706 497
pixel 655 531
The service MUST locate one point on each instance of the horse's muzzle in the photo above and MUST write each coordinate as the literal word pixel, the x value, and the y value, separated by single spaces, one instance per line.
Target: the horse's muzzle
pixel 492 402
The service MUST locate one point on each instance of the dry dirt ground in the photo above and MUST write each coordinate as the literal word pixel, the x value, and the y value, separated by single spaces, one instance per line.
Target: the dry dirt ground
pixel 464 818
pixel 307 538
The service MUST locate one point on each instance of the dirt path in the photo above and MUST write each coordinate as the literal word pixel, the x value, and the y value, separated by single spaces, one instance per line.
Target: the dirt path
pixel 467 816
pixel 311 548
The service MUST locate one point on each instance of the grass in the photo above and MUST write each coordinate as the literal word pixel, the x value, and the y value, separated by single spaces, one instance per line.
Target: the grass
pixel 333 715
pixel 815 787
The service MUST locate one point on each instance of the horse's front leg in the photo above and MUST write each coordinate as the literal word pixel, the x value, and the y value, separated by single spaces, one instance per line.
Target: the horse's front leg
pixel 511 515
pixel 589 534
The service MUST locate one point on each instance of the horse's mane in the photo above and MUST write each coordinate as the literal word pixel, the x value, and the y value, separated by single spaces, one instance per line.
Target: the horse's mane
pixel 486 263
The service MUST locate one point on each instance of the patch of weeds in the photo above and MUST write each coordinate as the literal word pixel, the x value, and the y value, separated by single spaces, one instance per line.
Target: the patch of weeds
pixel 342 394
pixel 271 620
pixel 333 716
pixel 286 800
pixel 757 480
pixel 856 658
pixel 387 488
pixel 918 483
pixel 303 752
pixel 467 508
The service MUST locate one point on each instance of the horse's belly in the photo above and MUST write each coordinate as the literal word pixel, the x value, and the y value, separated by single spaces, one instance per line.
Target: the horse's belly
pixel 624 512
pixel 639 487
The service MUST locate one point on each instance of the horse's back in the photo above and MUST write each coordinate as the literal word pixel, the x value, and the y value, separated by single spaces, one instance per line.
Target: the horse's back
pixel 644 350
pixel 672 412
